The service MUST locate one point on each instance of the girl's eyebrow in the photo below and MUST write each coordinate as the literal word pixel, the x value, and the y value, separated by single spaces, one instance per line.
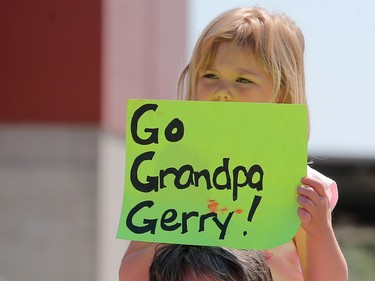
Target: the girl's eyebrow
pixel 209 69
pixel 240 71
pixel 248 72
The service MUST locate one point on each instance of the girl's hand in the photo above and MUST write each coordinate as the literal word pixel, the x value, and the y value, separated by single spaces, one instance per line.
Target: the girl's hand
pixel 314 212
pixel 320 255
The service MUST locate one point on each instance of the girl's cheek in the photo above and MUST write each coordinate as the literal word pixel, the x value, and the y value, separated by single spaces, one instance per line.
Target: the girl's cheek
pixel 204 91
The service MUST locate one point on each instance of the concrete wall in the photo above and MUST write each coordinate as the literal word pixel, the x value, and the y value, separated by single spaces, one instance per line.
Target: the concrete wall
pixel 48 202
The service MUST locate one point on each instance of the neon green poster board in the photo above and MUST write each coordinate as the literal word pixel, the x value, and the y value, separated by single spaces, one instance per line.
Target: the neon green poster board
pixel 213 173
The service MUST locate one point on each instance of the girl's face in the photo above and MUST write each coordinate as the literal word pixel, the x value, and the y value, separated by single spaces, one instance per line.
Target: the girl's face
pixel 234 75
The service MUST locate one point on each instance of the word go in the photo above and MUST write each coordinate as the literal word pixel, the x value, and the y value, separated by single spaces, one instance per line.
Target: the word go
pixel 173 132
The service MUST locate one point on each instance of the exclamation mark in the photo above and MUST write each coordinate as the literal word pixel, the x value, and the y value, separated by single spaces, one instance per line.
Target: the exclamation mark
pixel 254 207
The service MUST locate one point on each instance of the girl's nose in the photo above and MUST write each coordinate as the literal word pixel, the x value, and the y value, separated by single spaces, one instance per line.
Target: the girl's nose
pixel 223 94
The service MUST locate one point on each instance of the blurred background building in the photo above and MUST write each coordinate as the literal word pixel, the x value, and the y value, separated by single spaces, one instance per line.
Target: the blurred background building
pixel 66 71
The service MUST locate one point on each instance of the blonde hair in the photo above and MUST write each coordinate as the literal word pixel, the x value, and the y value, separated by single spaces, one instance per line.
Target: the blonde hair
pixel 273 38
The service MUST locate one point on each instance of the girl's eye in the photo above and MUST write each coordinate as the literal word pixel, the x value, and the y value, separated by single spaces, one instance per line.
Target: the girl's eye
pixel 211 76
pixel 242 80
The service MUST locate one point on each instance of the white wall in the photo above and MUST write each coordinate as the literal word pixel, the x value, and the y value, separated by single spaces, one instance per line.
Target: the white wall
pixel 111 170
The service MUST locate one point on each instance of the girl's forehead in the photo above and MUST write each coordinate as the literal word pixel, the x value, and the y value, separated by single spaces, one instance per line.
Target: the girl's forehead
pixel 234 56
pixel 227 46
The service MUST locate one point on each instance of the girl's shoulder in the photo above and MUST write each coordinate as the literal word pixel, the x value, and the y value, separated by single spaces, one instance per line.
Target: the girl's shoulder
pixel 284 262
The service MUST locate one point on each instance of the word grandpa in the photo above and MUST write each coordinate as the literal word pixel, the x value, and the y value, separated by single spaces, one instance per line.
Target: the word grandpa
pixel 185 176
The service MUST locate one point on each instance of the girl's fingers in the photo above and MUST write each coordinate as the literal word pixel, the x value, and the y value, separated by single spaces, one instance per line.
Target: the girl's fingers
pixel 305 201
pixel 308 192
pixel 309 198
pixel 315 184
pixel 304 215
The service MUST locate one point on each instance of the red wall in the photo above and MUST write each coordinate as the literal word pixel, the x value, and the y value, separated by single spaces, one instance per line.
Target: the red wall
pixel 50 61
pixel 78 61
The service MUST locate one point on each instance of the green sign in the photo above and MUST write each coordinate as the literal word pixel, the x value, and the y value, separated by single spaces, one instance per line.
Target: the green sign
pixel 213 173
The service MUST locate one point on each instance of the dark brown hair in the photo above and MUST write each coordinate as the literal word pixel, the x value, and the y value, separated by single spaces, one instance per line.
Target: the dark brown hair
pixel 174 262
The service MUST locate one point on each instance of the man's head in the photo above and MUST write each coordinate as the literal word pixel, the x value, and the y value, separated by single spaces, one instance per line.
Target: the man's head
pixel 201 263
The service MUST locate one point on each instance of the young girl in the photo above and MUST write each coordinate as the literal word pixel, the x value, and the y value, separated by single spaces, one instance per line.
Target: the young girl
pixel 251 55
